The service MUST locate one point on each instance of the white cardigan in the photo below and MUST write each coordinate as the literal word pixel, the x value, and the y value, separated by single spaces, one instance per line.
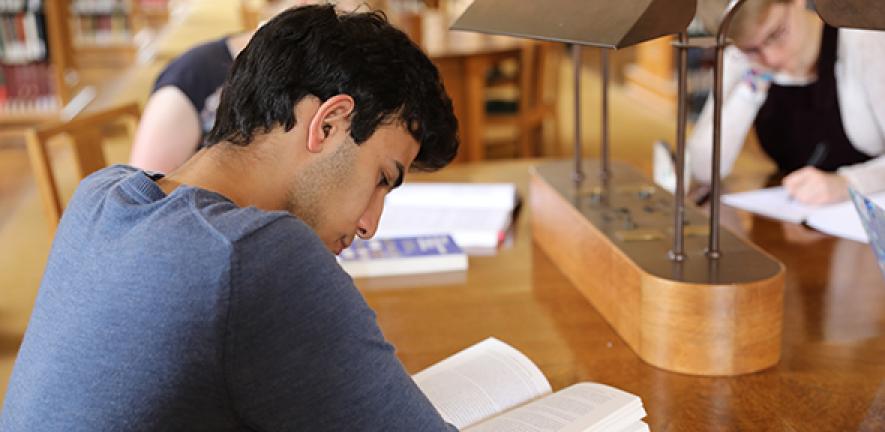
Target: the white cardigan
pixel 860 85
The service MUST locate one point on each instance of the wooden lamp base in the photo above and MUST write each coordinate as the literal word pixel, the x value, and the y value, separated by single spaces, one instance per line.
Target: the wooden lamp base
pixel 700 316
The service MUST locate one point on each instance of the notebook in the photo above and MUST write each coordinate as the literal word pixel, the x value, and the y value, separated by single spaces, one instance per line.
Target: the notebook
pixel 838 219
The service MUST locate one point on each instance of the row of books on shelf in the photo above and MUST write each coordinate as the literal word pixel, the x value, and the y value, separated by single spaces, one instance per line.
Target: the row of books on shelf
pixel 103 29
pixel 154 5
pixel 104 7
pixel 22 38
pixel 27 88
pixel 108 7
pixel 20 6
pixel 432 227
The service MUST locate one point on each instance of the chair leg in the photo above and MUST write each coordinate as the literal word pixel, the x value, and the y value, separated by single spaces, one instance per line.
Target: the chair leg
pixel 89 153
pixel 40 165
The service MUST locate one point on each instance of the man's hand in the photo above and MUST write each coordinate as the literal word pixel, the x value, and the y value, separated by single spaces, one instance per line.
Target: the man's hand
pixel 810 185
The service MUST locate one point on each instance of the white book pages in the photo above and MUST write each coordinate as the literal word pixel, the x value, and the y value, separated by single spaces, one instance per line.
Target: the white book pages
pixel 774 202
pixel 840 220
pixel 475 215
pixel 471 195
pixel 469 227
pixel 480 381
pixel 581 407
pixel 640 426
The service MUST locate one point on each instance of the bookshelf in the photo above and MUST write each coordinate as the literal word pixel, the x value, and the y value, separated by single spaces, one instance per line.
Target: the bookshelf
pixel 36 62
pixel 111 32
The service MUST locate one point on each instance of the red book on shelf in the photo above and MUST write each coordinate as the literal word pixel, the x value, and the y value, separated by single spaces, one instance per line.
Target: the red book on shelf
pixel 2 86
pixel 12 82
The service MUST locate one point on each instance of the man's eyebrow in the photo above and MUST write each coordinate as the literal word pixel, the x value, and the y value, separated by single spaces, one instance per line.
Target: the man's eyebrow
pixel 401 173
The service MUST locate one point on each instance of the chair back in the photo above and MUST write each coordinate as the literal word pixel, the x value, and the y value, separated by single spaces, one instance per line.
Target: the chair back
pixel 86 133
pixel 534 84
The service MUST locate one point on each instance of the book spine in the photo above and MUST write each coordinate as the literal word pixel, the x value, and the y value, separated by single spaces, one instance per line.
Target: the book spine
pixel 3 88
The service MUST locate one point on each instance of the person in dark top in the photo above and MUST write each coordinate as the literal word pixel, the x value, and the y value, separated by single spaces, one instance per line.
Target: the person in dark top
pixel 812 93
pixel 181 109
pixel 209 299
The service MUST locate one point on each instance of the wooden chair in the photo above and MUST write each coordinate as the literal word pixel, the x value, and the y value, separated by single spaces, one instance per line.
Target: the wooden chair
pixel 86 135
pixel 532 106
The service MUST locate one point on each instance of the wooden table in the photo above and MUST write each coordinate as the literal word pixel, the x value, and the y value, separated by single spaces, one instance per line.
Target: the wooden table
pixel 831 376
pixel 464 60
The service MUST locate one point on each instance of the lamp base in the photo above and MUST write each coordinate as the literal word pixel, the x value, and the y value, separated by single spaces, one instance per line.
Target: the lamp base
pixel 698 315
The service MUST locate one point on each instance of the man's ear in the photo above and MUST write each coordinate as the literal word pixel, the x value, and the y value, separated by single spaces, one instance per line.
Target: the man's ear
pixel 331 119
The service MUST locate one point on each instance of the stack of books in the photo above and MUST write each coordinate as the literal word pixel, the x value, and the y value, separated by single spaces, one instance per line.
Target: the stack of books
pixel 476 215
pixel 402 255
pixel 431 228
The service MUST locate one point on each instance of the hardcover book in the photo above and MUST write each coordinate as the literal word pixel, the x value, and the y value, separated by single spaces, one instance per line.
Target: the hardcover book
pixel 402 255
pixel 872 216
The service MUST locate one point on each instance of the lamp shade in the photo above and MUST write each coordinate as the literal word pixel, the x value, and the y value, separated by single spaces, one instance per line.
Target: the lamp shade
pixel 600 23
pixel 862 14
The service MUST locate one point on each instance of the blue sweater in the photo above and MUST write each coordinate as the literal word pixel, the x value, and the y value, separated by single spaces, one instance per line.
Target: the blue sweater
pixel 186 312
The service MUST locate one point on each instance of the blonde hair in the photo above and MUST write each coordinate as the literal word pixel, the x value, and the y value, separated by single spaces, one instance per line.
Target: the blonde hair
pixel 748 17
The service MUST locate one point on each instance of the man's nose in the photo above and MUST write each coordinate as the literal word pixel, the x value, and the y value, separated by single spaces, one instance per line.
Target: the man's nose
pixel 368 222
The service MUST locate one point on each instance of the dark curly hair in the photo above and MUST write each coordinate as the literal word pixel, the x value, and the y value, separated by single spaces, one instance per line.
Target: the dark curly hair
pixel 314 50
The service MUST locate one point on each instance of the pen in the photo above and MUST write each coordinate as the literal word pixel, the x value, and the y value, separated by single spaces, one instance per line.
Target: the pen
pixel 818 155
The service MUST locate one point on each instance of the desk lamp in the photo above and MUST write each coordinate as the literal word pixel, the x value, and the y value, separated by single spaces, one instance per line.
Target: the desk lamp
pixel 636 253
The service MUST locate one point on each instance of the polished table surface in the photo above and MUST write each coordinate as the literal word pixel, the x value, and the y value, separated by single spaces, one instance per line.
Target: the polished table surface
pixel 831 376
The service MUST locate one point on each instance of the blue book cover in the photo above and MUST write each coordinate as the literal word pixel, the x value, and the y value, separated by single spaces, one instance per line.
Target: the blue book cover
pixel 873 219
pixel 402 255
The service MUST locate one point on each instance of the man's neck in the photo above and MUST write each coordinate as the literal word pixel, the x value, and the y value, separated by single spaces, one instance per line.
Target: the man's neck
pixel 242 178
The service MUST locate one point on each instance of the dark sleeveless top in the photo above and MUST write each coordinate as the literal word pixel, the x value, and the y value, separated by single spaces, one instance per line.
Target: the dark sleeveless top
pixel 802 125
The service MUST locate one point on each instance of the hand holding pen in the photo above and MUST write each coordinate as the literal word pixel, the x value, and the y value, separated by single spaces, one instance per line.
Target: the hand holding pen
pixel 810 185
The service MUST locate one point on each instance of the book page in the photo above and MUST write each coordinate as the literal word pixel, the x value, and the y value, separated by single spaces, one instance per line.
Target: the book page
pixel 449 195
pixel 842 220
pixel 481 381
pixel 475 214
pixel 578 408
pixel 774 202
pixel 480 227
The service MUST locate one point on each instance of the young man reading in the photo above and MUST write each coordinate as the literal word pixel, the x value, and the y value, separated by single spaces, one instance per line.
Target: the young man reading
pixel 209 299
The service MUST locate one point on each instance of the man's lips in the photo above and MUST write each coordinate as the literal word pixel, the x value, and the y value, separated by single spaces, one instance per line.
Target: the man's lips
pixel 343 243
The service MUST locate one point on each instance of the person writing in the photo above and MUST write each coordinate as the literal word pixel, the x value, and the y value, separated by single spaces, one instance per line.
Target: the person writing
pixel 812 93
pixel 210 298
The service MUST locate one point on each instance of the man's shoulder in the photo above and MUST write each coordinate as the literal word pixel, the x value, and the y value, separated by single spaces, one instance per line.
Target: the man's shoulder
pixel 103 180
pixel 249 229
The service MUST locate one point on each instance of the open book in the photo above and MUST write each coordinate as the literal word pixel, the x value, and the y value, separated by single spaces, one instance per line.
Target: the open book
pixel 476 215
pixel 493 387
pixel 838 220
